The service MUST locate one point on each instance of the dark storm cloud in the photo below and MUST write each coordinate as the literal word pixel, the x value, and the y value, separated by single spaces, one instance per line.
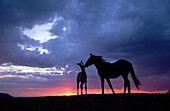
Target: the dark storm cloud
pixel 148 42
pixel 28 12
pixel 135 30
pixel 19 13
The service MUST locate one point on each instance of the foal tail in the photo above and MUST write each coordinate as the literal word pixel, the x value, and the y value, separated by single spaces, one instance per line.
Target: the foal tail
pixel 135 79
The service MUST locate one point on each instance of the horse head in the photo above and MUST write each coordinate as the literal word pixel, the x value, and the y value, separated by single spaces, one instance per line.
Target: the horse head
pixel 93 60
pixel 90 60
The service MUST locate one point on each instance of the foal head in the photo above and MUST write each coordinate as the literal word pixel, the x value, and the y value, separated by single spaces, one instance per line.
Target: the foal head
pixel 81 64
pixel 93 59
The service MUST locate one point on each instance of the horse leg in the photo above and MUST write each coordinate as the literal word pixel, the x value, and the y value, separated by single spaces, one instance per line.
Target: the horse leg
pixel 86 87
pixel 126 84
pixel 77 87
pixel 102 84
pixel 110 85
pixel 81 85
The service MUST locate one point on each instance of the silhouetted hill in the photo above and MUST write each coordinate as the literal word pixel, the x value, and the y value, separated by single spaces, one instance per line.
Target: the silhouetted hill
pixel 5 95
pixel 95 102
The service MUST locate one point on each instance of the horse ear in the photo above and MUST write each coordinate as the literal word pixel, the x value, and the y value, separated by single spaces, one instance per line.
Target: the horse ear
pixel 82 63
pixel 91 54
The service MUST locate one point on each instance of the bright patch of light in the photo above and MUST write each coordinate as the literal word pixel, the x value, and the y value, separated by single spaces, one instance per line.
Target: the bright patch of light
pixel 41 32
pixel 9 75
pixel 66 66
pixel 64 29
pixel 40 50
pixel 68 72
pixel 62 68
pixel 9 70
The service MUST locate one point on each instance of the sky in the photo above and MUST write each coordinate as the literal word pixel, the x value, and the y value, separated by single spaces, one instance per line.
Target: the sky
pixel 41 42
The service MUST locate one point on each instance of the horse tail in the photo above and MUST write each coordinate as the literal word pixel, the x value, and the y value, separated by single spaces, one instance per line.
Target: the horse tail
pixel 135 79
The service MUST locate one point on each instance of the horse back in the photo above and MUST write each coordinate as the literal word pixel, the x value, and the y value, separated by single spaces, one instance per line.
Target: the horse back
pixel 114 70
pixel 123 65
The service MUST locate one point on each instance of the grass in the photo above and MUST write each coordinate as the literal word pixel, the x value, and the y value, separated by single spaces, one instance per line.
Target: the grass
pixel 94 102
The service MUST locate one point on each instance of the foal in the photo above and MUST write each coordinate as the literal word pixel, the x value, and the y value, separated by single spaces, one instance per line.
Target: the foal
pixel 81 77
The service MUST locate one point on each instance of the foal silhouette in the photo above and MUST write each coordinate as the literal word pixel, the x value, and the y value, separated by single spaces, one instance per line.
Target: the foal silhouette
pixel 113 70
pixel 81 77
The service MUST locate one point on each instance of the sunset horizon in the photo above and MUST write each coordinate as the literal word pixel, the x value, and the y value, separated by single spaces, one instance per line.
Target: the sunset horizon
pixel 73 92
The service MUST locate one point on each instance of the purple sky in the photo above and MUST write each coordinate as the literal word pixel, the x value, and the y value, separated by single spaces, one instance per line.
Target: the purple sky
pixel 42 40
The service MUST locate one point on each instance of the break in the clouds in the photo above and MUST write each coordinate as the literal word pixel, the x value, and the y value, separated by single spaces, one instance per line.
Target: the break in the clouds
pixel 59 33
pixel 41 32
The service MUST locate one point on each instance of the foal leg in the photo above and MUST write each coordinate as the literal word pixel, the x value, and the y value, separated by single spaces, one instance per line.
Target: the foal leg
pixel 77 87
pixel 110 85
pixel 81 85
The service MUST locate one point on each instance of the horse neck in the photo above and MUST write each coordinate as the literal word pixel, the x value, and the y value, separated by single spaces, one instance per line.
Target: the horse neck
pixel 99 64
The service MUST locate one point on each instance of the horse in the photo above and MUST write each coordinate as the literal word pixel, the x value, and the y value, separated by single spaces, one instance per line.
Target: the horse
pixel 108 70
pixel 81 77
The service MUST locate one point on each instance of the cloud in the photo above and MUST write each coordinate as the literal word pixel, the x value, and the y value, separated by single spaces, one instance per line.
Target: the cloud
pixel 40 32
pixel 57 33
pixel 10 70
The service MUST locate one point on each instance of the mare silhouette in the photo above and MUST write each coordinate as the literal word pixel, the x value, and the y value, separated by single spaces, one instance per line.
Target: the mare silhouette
pixel 113 70
pixel 81 77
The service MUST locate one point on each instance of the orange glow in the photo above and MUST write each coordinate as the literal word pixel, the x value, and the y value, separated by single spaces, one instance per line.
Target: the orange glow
pixel 68 94
pixel 71 92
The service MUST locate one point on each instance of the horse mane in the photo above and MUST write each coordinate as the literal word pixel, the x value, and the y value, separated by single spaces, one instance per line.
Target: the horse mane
pixel 100 58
